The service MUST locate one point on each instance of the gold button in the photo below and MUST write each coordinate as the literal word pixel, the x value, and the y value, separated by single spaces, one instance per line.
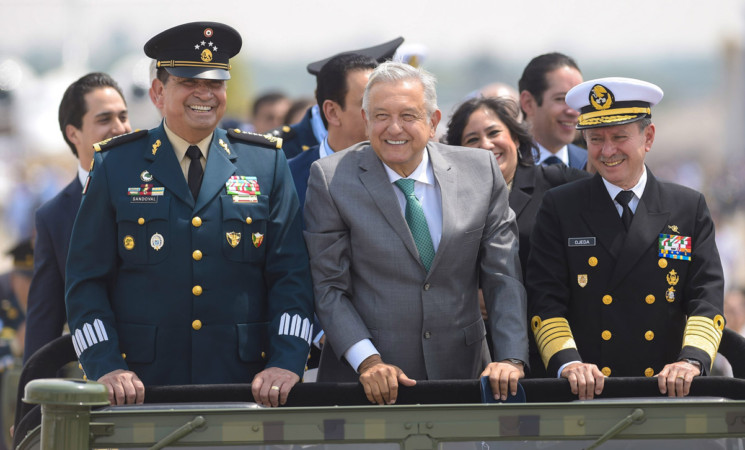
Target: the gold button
pixel 263 355
pixel 124 356
pixel 305 148
pixel 141 221
pixel 197 255
pixel 85 377
pixel 593 261
pixel 129 242
pixel 607 299
pixel 606 371
pixel 649 299
pixel 80 366
pixel 648 372
pixel 286 129
pixel 196 221
pixel 662 263
pixel 649 335
pixel 249 220
pixel 197 324
pixel 606 335
pixel 197 290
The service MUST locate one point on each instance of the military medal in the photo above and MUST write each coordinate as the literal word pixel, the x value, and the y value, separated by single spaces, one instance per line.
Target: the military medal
pixel 146 177
pixel 156 241
pixel 129 242
pixel 582 280
pixel 673 246
pixel 243 189
pixel 257 239
pixel 234 238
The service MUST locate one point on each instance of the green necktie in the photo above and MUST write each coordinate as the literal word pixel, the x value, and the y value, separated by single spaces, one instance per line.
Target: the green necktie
pixel 417 222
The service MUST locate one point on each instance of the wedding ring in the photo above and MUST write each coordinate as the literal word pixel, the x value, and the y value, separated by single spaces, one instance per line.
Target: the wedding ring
pixel 275 388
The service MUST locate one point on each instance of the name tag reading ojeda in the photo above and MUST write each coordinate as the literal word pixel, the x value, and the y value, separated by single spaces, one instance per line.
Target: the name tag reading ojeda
pixel 582 242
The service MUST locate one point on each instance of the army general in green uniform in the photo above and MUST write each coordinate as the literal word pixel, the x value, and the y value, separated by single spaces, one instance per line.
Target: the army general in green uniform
pixel 187 263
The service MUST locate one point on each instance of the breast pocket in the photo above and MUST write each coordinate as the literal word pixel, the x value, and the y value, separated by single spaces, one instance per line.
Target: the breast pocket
pixel 143 231
pixel 244 229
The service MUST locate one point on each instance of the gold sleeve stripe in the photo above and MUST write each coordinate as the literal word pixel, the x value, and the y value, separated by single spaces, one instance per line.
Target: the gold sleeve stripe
pixel 552 336
pixel 704 333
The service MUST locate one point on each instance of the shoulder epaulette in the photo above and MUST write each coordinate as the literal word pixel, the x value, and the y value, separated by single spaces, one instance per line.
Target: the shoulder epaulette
pixel 262 140
pixel 118 140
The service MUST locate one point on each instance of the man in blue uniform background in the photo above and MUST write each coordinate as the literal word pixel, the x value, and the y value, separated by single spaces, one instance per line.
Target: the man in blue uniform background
pixel 187 262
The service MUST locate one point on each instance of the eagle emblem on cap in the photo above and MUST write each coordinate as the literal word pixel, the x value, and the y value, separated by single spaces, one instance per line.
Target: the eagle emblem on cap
pixel 206 55
pixel 600 97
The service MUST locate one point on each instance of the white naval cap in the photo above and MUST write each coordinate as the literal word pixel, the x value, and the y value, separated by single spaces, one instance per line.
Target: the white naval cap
pixel 605 102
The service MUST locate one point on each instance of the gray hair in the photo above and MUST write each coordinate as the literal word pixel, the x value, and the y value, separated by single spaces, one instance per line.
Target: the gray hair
pixel 391 71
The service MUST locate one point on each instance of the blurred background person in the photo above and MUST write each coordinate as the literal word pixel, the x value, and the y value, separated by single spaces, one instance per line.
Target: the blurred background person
pixel 268 111
pixel 543 88
pixel 298 109
pixel 493 124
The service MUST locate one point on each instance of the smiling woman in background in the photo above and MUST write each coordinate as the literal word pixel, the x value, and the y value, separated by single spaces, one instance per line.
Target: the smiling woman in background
pixel 491 123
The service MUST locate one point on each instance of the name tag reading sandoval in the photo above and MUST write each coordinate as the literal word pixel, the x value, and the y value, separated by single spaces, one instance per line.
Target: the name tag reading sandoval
pixel 582 242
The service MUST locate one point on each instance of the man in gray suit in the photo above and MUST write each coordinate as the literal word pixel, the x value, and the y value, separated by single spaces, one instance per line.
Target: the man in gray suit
pixel 396 275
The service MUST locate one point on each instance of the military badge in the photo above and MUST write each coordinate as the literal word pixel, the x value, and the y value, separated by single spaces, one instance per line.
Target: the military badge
pixel 156 241
pixel 674 228
pixel 673 246
pixel 155 148
pixel 582 280
pixel 224 146
pixel 146 176
pixel 234 238
pixel 257 239
pixel 146 193
pixel 129 242
pixel 670 294
pixel 672 278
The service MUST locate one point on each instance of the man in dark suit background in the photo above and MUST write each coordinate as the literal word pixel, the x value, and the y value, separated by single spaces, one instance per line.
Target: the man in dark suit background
pixel 92 109
pixel 311 130
pixel 543 87
pixel 624 277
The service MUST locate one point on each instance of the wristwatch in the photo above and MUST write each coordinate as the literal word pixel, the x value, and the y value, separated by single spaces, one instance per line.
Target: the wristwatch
pixel 695 362
pixel 515 361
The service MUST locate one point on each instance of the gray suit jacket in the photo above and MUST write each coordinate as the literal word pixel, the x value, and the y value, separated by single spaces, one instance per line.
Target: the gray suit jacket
pixel 370 284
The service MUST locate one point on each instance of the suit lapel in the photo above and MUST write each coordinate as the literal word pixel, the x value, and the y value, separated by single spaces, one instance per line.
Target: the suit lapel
pixel 165 167
pixel 375 180
pixel 649 219
pixel 218 169
pixel 523 186
pixel 446 177
pixel 602 218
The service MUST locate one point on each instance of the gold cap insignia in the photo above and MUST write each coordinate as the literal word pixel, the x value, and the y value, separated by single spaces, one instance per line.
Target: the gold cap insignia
pixel 582 280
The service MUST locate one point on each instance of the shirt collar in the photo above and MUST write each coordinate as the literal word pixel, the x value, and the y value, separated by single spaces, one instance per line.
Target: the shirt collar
pixel 423 172
pixel 180 145
pixel 638 190
pixel 323 148
pixel 562 154
pixel 82 175
pixel 316 124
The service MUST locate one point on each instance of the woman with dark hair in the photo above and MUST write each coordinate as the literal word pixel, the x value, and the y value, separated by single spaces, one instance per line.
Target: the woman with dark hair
pixel 492 123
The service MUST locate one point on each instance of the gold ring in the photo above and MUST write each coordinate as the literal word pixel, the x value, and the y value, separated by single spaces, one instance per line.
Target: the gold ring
pixel 275 388
pixel 681 377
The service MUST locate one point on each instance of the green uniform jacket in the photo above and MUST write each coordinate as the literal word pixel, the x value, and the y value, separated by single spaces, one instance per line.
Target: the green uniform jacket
pixel 179 292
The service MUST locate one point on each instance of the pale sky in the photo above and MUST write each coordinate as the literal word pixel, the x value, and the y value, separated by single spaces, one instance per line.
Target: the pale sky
pixel 309 30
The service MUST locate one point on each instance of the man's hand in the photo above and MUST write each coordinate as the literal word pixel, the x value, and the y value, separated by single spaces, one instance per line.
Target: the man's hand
pixel 124 387
pixel 503 378
pixel 271 386
pixel 675 379
pixel 381 380
pixel 585 380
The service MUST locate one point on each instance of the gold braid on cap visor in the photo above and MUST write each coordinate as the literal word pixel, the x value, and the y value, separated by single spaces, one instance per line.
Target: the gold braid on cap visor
pixel 612 115
pixel 210 65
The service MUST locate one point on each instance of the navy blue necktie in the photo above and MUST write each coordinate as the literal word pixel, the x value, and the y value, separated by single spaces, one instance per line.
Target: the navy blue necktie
pixel 551 160
pixel 194 177
pixel 623 198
